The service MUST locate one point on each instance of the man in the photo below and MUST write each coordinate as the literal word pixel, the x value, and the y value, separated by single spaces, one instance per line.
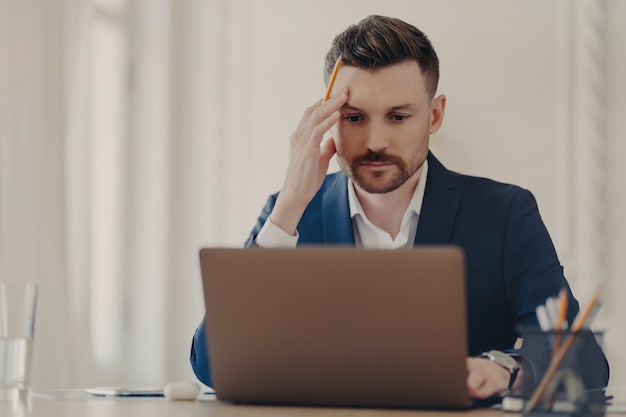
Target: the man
pixel 392 193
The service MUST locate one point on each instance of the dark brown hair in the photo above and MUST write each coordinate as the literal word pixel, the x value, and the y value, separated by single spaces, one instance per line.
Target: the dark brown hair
pixel 377 42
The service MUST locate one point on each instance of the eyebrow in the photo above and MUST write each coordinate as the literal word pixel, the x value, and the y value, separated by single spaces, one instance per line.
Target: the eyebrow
pixel 406 106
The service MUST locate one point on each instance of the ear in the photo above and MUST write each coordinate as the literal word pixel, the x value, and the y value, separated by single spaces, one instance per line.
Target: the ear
pixel 437 108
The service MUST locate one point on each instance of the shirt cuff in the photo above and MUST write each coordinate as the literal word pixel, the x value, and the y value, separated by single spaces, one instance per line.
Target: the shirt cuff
pixel 272 236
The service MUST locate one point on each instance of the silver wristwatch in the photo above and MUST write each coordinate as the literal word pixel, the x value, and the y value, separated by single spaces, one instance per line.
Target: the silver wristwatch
pixel 504 360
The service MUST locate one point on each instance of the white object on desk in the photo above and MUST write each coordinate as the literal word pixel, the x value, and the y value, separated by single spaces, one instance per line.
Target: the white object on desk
pixel 181 391
pixel 125 391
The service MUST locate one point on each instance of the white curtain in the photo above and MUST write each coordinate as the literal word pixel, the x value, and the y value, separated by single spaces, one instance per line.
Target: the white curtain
pixel 108 181
pixel 142 188
pixel 32 178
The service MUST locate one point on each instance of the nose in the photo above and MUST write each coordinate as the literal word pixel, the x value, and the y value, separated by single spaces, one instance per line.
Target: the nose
pixel 377 136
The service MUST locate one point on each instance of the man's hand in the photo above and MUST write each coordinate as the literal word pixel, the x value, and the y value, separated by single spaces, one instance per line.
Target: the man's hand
pixel 308 162
pixel 486 378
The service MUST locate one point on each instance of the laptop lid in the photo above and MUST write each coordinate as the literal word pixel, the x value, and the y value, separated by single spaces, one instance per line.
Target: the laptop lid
pixel 337 326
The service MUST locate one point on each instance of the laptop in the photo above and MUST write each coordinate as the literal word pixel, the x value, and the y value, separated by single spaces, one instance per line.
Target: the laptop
pixel 337 326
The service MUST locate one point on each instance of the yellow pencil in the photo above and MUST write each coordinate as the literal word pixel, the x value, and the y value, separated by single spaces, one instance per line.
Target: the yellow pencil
pixel 332 79
pixel 560 319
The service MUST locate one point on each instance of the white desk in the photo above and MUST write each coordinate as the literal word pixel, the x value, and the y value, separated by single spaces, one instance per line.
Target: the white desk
pixel 84 406
pixel 77 404
pixel 157 407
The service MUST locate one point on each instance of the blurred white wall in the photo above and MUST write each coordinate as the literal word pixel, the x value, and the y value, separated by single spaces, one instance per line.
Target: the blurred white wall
pixel 536 97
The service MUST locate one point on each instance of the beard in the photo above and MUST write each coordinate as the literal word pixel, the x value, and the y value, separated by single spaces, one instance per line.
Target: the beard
pixel 385 180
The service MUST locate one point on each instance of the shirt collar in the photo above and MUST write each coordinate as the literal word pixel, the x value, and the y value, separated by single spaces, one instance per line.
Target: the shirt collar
pixel 414 206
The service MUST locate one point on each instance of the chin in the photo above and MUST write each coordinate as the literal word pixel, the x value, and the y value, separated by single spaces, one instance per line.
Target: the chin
pixel 378 187
pixel 381 190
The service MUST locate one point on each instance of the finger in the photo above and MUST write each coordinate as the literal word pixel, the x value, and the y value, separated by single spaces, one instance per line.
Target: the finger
pixel 304 119
pixel 329 107
pixel 483 382
pixel 311 108
pixel 483 391
pixel 340 95
pixel 319 113
pixel 475 382
pixel 481 386
pixel 338 99
pixel 324 108
pixel 320 129
pixel 478 380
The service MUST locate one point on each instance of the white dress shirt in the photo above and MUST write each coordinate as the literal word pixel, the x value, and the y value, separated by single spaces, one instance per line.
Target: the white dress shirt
pixel 366 234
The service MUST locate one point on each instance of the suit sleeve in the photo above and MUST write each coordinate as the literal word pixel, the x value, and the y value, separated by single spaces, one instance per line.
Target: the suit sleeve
pixel 531 267
pixel 200 357
pixel 534 273
pixel 265 214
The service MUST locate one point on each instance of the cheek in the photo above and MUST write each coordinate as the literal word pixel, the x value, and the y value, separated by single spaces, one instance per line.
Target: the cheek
pixel 347 140
pixel 416 132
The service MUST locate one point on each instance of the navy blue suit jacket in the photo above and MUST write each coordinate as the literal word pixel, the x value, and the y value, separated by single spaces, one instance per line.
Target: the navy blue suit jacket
pixel 512 266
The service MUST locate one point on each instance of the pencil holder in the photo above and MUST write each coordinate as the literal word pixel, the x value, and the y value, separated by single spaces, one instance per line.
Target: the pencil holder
pixel 562 382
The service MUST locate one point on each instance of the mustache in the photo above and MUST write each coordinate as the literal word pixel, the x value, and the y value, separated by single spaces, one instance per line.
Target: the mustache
pixel 371 156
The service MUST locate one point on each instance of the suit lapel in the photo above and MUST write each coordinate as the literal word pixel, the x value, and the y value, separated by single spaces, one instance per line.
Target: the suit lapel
pixel 336 219
pixel 439 206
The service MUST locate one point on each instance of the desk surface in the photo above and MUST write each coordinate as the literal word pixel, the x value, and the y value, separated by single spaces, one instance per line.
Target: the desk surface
pixel 154 407
pixel 206 407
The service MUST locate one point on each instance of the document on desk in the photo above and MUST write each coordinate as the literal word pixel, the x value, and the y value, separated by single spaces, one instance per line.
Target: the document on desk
pixel 125 391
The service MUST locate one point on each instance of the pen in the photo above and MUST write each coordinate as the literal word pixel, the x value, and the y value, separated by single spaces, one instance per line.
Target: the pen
pixel 332 79
pixel 552 307
pixel 543 318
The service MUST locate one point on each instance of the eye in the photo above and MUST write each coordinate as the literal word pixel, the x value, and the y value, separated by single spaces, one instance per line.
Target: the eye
pixel 354 118
pixel 398 117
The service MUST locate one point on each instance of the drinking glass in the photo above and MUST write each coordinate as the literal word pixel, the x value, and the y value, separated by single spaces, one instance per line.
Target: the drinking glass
pixel 18 302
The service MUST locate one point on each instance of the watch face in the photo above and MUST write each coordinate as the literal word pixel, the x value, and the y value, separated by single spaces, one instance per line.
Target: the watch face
pixel 503 359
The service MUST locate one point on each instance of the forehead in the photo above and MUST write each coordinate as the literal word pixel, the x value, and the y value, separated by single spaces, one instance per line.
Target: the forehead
pixel 387 87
